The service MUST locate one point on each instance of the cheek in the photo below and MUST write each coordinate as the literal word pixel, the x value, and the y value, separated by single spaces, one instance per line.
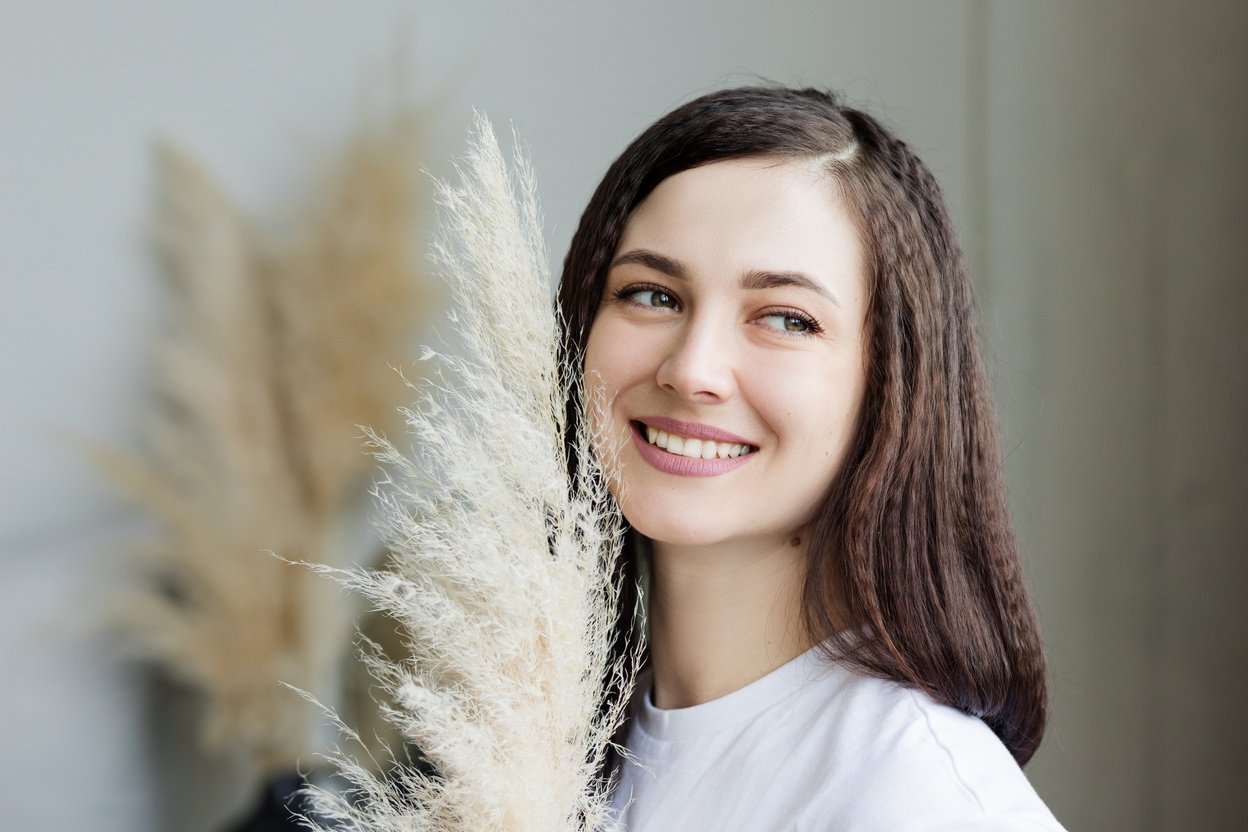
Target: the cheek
pixel 843 408
pixel 615 357
pixel 594 372
pixel 609 369
pixel 813 408
pixel 600 375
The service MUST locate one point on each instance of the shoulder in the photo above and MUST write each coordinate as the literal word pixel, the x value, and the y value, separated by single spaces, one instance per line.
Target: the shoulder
pixel 907 759
pixel 816 746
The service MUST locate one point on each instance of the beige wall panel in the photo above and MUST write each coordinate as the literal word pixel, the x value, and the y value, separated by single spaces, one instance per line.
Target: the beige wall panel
pixel 1116 302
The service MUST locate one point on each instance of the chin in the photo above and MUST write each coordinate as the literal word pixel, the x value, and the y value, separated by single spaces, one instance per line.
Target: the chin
pixel 663 523
pixel 679 536
pixel 676 530
pixel 662 527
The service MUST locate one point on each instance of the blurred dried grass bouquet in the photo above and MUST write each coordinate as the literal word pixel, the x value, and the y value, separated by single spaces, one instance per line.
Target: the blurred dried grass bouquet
pixel 277 348
pixel 502 560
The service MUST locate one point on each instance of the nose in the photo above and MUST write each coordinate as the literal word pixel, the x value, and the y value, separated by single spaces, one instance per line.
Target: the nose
pixel 698 365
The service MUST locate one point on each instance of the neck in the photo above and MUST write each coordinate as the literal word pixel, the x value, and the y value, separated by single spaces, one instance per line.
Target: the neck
pixel 723 616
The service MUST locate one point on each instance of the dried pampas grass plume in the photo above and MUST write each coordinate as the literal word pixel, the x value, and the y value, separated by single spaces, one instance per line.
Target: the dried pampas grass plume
pixel 276 349
pixel 503 562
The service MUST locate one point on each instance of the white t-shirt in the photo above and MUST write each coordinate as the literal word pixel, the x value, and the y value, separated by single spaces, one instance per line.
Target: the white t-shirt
pixel 815 746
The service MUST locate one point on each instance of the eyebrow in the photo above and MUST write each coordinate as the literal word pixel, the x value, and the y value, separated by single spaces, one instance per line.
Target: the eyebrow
pixel 652 260
pixel 754 279
pixel 770 280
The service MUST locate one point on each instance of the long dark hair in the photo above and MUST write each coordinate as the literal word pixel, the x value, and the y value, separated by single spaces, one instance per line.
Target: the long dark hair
pixel 914 572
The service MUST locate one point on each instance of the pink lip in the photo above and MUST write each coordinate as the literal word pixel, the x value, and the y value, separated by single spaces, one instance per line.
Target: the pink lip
pixel 692 429
pixel 684 466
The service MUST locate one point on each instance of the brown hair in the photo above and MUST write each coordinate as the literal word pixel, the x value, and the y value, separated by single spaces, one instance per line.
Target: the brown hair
pixel 912 549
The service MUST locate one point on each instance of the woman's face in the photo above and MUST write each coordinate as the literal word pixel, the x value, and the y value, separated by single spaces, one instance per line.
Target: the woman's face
pixel 730 345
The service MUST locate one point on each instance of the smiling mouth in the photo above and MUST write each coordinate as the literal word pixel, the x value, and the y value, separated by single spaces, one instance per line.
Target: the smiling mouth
pixel 691 447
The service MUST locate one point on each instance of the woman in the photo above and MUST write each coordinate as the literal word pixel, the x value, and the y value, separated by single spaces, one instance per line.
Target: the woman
pixel 768 288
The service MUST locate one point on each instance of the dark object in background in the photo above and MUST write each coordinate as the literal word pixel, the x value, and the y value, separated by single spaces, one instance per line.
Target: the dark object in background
pixel 282 804
pixel 279 808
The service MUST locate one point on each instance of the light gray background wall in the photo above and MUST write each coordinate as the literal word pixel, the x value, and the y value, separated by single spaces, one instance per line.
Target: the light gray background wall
pixel 1092 153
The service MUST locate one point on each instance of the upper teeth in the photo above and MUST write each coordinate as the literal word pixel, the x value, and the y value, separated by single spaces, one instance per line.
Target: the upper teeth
pixel 695 448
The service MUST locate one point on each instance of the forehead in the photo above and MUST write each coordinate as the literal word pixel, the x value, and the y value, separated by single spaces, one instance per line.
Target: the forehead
pixel 756 213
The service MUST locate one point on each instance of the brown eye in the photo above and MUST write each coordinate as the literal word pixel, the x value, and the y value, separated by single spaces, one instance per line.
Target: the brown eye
pixel 789 323
pixel 656 298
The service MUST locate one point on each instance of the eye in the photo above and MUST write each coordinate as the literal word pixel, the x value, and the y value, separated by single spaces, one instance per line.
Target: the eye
pixel 791 322
pixel 652 296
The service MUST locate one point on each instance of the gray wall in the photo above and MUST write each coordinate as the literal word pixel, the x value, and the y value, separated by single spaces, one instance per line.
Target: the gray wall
pixel 1092 153
pixel 1117 194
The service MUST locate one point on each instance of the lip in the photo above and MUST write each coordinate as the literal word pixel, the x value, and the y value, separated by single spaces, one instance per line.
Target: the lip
pixel 684 466
pixel 693 430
